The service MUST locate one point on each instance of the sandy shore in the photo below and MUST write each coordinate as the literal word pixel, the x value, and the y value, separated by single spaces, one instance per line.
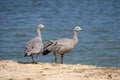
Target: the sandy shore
pixel 14 70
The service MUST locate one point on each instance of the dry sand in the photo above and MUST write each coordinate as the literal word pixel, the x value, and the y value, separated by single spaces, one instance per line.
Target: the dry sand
pixel 14 70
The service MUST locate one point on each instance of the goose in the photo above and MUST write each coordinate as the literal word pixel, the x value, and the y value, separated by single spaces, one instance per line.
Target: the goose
pixel 61 46
pixel 35 46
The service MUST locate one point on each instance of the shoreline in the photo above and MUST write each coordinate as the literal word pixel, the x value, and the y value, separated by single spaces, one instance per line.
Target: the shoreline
pixel 15 70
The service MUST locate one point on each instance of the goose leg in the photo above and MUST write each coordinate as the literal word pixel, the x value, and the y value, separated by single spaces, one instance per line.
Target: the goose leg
pixel 32 58
pixel 36 58
pixel 55 56
pixel 62 55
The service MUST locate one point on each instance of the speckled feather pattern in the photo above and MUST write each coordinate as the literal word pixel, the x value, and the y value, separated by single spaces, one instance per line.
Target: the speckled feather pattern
pixel 34 46
pixel 63 45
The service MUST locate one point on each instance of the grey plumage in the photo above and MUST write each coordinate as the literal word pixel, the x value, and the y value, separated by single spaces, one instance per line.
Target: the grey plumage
pixel 35 46
pixel 61 46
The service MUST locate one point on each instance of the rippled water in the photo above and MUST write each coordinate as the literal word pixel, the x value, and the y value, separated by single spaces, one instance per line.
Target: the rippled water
pixel 99 42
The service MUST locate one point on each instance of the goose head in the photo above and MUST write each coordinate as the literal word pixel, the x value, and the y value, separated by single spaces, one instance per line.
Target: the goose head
pixel 40 26
pixel 77 28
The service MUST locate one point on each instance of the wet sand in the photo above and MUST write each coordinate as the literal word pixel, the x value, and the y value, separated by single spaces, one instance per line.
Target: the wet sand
pixel 15 70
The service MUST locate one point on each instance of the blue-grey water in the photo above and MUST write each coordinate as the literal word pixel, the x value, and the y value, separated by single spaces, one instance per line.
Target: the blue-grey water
pixel 99 41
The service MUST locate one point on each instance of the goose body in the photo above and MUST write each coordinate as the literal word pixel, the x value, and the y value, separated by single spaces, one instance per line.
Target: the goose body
pixel 35 46
pixel 61 46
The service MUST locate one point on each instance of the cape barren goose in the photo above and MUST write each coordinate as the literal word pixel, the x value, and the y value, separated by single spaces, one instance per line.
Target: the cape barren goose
pixel 61 46
pixel 35 46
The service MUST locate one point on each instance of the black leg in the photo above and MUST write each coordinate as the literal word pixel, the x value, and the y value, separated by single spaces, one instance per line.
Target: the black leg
pixel 55 57
pixel 37 58
pixel 32 58
pixel 62 55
